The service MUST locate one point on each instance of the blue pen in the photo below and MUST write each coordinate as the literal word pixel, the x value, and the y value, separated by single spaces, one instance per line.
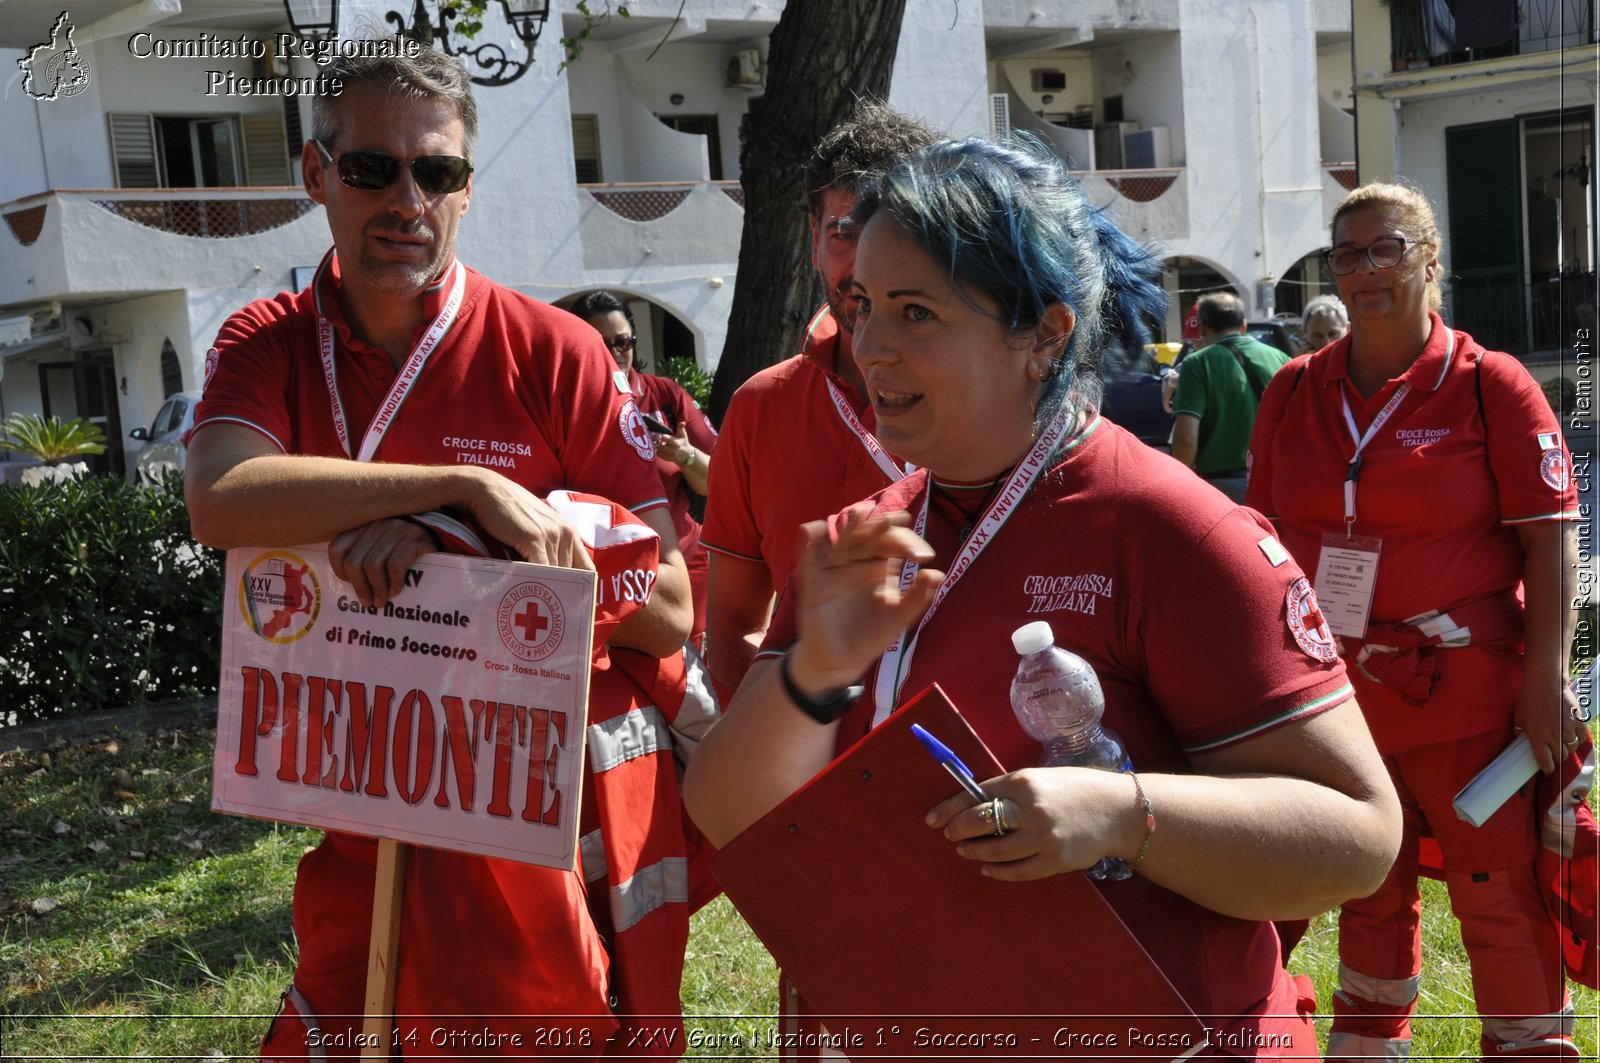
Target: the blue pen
pixel 952 763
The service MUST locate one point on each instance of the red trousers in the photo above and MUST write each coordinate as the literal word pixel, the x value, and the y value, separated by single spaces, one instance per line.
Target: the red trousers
pixel 1517 976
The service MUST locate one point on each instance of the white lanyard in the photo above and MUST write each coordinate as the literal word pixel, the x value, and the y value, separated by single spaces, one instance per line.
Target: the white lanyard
pixel 880 456
pixel 896 660
pixel 841 405
pixel 402 383
pixel 1353 470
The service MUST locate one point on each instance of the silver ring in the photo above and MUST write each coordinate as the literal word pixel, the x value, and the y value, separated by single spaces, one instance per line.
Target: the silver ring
pixel 1572 743
pixel 986 812
pixel 997 812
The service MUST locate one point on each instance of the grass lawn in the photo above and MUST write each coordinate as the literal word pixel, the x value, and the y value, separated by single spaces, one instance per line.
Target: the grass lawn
pixel 134 922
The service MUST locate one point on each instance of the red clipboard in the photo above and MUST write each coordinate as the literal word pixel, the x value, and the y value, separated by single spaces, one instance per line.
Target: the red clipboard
pixel 906 950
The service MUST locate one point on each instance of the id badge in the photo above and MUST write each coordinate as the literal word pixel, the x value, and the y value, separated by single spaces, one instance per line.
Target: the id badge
pixel 1347 572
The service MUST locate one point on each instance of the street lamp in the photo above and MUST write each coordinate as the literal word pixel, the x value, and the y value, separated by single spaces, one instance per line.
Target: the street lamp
pixel 525 17
pixel 313 19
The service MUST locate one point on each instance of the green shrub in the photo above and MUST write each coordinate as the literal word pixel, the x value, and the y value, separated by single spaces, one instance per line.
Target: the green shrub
pixel 688 375
pixel 105 600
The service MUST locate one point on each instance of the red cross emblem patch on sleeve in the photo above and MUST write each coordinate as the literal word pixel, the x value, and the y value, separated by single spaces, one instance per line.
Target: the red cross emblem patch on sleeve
pixel 1306 623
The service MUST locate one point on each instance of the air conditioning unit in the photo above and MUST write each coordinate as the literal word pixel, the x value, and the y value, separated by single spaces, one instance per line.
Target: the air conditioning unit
pixel 269 62
pixel 744 69
pixel 999 115
pixel 1144 149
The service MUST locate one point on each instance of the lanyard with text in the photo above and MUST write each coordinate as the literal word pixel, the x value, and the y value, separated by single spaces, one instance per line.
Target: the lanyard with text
pixel 402 383
pixel 896 660
pixel 884 462
pixel 1353 471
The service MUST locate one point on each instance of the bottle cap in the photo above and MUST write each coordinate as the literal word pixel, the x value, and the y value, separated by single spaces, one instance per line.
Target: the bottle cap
pixel 1031 638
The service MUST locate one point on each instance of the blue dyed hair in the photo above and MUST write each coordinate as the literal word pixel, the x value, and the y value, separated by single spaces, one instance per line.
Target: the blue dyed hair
pixel 1006 220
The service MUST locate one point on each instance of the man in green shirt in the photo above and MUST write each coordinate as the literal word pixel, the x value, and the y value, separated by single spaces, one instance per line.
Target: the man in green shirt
pixel 1219 387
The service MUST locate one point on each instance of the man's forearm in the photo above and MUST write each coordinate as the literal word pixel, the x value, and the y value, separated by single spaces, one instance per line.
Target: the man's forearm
pixel 282 498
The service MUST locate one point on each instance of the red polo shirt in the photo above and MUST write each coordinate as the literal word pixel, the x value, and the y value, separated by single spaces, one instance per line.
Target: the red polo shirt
pixel 515 386
pixel 786 457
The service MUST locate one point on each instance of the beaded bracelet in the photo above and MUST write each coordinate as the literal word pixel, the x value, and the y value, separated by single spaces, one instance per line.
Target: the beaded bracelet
pixel 1149 820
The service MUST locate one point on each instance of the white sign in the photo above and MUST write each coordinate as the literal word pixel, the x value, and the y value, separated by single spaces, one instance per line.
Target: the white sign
pixel 452 717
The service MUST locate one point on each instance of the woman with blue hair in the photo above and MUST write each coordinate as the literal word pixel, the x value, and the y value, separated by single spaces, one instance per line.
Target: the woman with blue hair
pixel 988 289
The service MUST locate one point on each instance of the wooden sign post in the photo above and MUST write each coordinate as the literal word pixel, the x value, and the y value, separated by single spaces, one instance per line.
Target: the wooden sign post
pixel 388 892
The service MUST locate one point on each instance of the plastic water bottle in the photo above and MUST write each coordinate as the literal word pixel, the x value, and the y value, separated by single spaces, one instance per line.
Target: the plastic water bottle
pixel 1058 702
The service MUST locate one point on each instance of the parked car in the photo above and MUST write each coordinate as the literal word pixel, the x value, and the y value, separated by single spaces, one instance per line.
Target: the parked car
pixel 163 449
pixel 1274 333
pixel 1133 396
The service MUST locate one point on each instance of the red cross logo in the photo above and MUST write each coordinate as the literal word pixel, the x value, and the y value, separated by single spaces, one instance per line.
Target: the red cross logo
pixel 1313 614
pixel 532 621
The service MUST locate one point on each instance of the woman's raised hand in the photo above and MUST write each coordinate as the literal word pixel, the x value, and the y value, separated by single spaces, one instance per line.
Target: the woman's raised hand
pixel 851 606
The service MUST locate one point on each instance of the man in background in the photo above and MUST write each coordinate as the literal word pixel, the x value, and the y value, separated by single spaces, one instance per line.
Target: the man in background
pixel 1219 388
pixel 796 442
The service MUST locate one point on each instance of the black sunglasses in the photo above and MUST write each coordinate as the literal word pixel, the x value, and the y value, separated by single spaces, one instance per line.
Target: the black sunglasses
pixel 373 171
pixel 622 343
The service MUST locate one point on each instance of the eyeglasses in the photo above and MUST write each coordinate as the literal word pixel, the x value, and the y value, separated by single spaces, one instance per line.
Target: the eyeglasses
pixel 1384 253
pixel 373 171
pixel 622 343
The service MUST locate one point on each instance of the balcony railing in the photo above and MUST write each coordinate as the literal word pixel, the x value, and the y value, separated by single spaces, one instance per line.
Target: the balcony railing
pixel 1140 186
pixel 1530 319
pixel 648 202
pixel 1429 33
pixel 209 213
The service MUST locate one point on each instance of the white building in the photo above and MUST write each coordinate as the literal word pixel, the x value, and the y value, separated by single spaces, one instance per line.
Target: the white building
pixel 1493 117
pixel 150 197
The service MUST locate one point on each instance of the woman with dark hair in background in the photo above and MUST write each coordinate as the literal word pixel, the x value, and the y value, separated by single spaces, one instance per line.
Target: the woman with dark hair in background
pixel 987 288
pixel 683 457
pixel 1424 480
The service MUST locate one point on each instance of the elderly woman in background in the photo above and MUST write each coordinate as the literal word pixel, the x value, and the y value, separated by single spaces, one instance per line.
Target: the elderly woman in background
pixel 1322 321
pixel 987 287
pixel 1424 481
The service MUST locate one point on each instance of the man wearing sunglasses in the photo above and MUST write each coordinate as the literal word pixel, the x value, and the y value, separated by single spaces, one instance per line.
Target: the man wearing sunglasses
pixel 400 383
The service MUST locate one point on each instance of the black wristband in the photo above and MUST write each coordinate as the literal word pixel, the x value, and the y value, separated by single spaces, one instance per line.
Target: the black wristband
pixel 823 710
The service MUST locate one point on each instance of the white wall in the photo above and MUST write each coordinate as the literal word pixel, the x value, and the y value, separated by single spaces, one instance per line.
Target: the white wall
pixel 939 70
pixel 697 72
pixel 20 129
pixel 1249 77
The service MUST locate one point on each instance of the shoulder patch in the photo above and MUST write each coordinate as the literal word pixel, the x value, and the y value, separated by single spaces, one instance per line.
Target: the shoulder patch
pixel 635 431
pixel 1553 468
pixel 1307 625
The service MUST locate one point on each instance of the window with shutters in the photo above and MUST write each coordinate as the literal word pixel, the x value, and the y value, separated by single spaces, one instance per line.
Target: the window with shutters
pixel 586 148
pixel 210 151
pixel 265 160
pixel 133 151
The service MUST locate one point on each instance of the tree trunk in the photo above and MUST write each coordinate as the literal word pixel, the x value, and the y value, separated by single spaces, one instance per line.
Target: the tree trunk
pixel 824 54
